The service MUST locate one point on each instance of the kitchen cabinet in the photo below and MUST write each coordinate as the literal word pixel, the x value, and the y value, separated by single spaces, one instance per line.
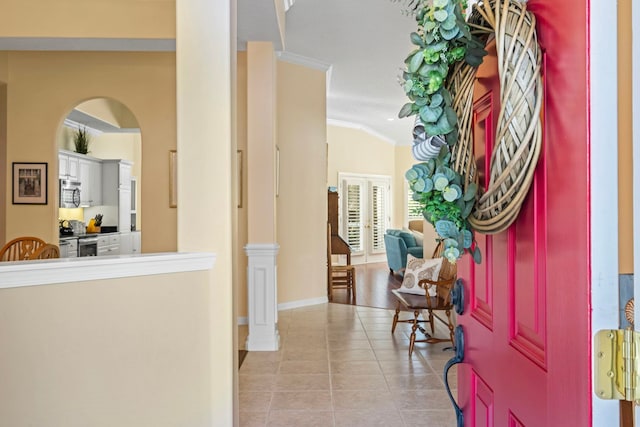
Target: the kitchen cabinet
pixel 130 243
pixel 68 248
pixel 91 180
pixel 136 242
pixel 109 244
pixel 126 244
pixel 68 166
pixel 116 190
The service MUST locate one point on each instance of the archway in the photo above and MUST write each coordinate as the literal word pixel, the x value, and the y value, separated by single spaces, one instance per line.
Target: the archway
pixel 108 172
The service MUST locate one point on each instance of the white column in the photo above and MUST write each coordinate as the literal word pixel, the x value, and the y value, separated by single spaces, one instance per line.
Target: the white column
pixel 204 37
pixel 263 297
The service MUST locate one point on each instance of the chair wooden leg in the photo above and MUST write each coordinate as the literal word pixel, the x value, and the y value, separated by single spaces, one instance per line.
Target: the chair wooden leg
pixel 433 331
pixel 412 339
pixel 395 319
pixel 353 285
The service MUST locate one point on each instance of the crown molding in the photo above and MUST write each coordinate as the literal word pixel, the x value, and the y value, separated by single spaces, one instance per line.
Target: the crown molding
pixel 294 58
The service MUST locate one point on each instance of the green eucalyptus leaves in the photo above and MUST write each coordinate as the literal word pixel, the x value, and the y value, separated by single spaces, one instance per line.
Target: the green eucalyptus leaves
pixel 443 38
pixel 438 188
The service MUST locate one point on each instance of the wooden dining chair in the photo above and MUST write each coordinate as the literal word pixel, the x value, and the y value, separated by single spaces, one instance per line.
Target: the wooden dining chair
pixel 20 248
pixel 47 251
pixel 339 276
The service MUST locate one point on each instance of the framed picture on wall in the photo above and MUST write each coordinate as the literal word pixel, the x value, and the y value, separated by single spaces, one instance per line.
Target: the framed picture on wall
pixel 29 183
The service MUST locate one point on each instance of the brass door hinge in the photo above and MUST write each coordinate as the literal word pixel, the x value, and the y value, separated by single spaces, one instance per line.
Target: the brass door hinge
pixel 617 364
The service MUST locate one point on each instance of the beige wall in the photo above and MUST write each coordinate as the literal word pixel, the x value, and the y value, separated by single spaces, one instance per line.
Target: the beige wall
pixel 44 86
pixel 356 151
pixel 302 200
pixel 3 157
pixel 241 132
pixel 625 138
pixel 4 76
pixel 79 18
pixel 125 352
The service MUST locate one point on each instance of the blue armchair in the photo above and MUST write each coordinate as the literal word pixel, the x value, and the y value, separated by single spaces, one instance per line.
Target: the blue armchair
pixel 398 244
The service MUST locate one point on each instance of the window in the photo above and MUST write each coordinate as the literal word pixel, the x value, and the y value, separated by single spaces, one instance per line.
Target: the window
pixel 414 211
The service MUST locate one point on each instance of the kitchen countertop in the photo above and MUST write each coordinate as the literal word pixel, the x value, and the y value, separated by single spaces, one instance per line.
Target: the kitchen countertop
pixel 85 235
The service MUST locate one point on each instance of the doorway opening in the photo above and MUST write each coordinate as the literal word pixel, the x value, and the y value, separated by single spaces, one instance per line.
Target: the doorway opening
pixel 107 169
pixel 364 215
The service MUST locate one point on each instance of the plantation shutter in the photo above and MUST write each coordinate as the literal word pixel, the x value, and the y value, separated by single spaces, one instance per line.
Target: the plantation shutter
pixel 353 216
pixel 414 211
pixel 379 201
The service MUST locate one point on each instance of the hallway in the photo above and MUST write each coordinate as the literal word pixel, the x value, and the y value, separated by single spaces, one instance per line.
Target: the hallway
pixel 339 365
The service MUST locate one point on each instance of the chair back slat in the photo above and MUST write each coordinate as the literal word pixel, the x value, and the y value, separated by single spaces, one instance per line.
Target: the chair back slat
pixel 47 251
pixel 448 270
pixel 21 248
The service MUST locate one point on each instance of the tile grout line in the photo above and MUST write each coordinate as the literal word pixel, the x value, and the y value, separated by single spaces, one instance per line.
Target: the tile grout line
pixel 386 381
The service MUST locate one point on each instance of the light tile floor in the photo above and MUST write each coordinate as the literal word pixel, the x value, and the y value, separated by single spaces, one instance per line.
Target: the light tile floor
pixel 339 365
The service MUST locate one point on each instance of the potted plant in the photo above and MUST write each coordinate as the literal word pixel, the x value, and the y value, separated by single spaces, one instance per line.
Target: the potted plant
pixel 81 140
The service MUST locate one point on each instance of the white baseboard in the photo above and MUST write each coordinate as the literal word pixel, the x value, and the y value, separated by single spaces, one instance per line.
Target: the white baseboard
pixel 302 303
pixel 290 305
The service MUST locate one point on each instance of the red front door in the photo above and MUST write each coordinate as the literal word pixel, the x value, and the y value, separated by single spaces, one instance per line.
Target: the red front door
pixel 526 324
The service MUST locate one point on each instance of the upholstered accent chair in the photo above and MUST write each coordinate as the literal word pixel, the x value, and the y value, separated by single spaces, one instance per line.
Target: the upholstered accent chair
pixel 398 244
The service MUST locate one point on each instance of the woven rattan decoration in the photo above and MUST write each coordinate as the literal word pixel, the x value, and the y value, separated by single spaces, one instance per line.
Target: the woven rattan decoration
pixel 518 137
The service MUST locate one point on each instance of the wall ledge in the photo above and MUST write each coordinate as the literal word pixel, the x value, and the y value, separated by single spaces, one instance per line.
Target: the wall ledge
pixel 65 270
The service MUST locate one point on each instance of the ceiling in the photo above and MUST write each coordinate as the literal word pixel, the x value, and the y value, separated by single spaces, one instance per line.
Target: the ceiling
pixel 364 42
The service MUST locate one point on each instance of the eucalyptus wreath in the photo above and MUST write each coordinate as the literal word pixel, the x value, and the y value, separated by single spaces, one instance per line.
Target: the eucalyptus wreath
pixel 443 39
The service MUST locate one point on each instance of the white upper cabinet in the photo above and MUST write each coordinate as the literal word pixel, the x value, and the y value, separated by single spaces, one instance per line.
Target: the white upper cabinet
pixel 91 180
pixel 68 166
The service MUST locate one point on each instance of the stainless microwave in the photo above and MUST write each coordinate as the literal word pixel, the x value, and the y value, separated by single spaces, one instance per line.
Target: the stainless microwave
pixel 69 193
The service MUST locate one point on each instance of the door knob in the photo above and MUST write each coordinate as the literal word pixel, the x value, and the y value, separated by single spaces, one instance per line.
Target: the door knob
pixel 457 296
pixel 458 339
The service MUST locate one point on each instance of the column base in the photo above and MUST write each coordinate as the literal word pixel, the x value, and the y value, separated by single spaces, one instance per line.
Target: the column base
pixel 262 297
pixel 262 343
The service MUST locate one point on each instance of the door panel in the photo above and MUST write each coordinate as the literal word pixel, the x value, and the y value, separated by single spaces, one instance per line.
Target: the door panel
pixel 483 402
pixel 353 215
pixel 378 218
pixel 526 324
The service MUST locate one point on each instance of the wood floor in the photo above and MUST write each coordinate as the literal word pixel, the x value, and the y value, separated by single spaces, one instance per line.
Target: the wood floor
pixel 374 283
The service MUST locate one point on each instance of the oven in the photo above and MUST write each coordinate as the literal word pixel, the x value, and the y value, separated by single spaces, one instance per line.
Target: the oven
pixel 87 246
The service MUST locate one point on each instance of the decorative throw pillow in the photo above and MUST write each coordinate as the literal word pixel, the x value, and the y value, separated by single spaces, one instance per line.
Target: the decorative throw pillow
pixel 419 269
